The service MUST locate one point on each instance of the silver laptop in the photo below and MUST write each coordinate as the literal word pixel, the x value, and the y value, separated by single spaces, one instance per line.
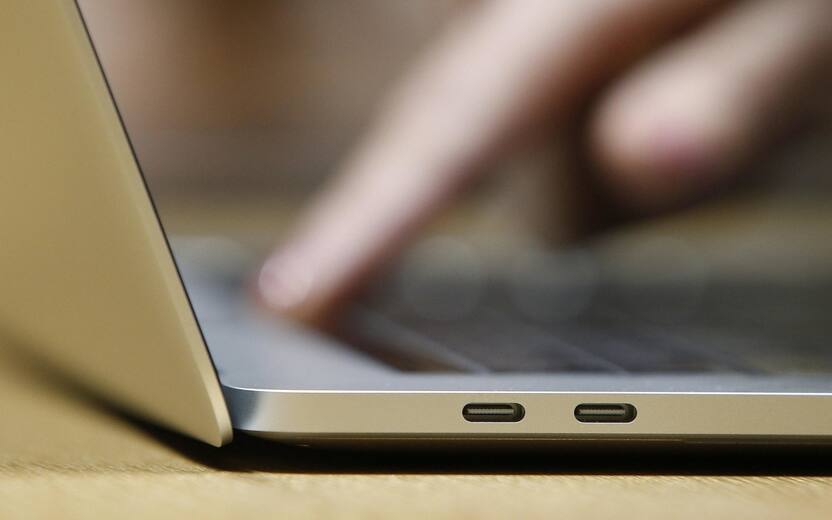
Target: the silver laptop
pixel 90 283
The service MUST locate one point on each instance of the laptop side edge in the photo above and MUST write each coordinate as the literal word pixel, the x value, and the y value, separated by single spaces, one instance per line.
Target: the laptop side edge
pixel 87 278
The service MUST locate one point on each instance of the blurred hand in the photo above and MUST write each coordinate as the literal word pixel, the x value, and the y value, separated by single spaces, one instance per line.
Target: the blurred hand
pixel 679 114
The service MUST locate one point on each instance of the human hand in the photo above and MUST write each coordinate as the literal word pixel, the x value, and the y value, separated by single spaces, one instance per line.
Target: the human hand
pixel 693 87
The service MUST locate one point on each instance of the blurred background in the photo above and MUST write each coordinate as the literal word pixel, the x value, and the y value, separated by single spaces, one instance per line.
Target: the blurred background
pixel 224 96
pixel 240 110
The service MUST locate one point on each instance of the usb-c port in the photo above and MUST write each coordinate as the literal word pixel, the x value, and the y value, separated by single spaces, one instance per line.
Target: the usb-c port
pixel 493 412
pixel 605 413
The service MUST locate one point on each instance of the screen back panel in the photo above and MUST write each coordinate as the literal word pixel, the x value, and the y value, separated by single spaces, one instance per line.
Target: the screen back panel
pixel 86 277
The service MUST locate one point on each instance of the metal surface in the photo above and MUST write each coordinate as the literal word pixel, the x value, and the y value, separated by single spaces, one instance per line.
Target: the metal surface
pixel 384 404
pixel 86 278
pixel 293 385
pixel 298 416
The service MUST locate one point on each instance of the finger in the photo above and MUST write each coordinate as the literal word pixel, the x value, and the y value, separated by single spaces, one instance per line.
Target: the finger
pixel 688 117
pixel 507 65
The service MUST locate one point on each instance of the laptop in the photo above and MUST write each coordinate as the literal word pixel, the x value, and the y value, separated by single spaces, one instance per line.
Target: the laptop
pixel 552 352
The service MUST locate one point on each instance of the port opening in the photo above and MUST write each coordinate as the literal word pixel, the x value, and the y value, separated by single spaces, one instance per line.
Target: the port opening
pixel 493 412
pixel 605 413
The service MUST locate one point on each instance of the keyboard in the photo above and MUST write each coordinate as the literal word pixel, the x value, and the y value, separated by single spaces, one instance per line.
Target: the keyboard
pixel 561 319
pixel 750 327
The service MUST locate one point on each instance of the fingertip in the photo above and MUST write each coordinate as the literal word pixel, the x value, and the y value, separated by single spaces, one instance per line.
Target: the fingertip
pixel 283 283
pixel 285 286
